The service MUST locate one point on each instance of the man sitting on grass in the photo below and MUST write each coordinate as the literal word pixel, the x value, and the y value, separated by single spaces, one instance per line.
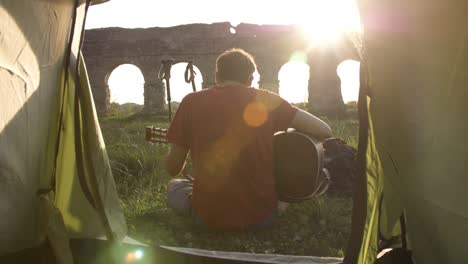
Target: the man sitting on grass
pixel 228 130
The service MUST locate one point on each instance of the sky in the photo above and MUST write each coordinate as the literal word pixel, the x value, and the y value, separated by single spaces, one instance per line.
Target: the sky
pixel 320 19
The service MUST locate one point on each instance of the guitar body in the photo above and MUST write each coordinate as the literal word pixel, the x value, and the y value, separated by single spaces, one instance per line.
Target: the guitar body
pixel 298 166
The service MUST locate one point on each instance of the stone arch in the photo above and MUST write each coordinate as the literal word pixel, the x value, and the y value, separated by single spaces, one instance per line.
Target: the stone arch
pixel 154 94
pixel 294 82
pixel 206 65
pixel 324 83
pixel 99 73
pixel 269 66
pixel 269 75
pixel 100 69
pixel 348 72
pixel 179 88
pixel 271 45
pixel 125 89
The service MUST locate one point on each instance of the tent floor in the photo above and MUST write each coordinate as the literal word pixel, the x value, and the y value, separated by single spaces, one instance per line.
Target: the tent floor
pixel 97 251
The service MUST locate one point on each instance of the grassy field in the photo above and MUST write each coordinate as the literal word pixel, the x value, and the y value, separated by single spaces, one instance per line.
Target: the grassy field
pixel 317 227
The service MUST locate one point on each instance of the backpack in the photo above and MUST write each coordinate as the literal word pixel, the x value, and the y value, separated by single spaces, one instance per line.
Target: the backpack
pixel 340 161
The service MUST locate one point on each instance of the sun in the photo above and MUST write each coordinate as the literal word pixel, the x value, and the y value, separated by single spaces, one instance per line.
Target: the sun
pixel 325 21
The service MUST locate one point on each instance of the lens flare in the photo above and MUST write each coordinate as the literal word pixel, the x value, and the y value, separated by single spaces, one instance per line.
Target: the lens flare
pixel 298 56
pixel 138 254
pixel 130 257
pixel 255 114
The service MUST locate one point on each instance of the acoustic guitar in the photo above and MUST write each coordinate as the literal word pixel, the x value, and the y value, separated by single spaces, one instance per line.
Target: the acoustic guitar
pixel 298 163
pixel 298 166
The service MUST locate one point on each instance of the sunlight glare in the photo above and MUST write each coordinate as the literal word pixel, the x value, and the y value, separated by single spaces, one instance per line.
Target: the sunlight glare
pixel 294 82
pixel 298 56
pixel 126 85
pixel 256 79
pixel 325 21
pixel 348 71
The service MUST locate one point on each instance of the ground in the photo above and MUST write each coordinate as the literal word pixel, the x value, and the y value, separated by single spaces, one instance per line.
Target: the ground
pixel 318 227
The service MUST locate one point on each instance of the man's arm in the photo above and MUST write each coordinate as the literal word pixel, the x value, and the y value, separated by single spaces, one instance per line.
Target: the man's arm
pixel 308 123
pixel 175 160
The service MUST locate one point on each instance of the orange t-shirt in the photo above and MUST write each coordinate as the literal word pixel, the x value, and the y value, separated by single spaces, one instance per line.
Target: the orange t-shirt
pixel 229 132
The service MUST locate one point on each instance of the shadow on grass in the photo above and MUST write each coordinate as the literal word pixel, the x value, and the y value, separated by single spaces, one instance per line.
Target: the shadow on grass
pixel 316 227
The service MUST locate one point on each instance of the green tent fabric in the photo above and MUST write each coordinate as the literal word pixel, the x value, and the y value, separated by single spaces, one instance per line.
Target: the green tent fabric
pixel 416 62
pixel 49 135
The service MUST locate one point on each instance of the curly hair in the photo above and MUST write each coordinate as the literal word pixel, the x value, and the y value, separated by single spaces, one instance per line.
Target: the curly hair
pixel 235 65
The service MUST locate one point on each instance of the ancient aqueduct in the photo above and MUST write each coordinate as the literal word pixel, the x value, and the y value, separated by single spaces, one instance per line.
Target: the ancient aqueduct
pixel 272 46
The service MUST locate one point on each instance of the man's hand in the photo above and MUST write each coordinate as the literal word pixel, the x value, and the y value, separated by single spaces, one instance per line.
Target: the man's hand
pixel 175 160
pixel 308 123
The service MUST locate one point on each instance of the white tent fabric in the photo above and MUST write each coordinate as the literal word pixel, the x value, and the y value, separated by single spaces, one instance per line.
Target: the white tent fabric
pixel 34 39
pixel 29 78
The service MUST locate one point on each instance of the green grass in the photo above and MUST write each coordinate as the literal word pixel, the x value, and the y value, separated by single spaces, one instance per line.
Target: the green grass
pixel 317 227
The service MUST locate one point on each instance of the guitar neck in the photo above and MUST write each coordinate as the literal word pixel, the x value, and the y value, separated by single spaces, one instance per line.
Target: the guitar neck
pixel 155 135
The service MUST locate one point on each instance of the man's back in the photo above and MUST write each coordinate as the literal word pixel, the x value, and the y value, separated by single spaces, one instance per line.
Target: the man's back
pixel 229 131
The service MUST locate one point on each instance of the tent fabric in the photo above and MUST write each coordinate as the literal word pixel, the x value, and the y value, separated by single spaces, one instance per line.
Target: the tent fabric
pixel 417 58
pixel 29 77
pixel 96 2
pixel 82 217
pixel 33 47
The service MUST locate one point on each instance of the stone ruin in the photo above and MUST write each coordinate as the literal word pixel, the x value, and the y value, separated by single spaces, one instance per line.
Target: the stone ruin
pixel 271 45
